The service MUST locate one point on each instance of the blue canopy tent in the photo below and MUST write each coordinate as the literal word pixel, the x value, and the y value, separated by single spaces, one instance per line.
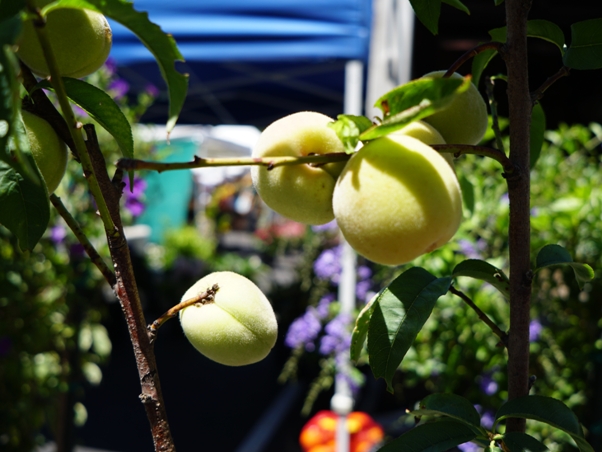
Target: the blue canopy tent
pixel 251 61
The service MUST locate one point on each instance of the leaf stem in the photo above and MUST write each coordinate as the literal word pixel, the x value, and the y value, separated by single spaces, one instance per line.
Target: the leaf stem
pixel 492 45
pixel 198 162
pixel 81 237
pixel 496 329
pixel 539 92
pixel 204 298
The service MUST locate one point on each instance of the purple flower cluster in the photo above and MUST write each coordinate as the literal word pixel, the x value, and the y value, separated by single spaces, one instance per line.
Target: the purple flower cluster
pixel 304 330
pixel 472 250
pixel 328 264
pixel 119 88
pixel 338 337
pixel 535 328
pixel 133 197
pixel 487 384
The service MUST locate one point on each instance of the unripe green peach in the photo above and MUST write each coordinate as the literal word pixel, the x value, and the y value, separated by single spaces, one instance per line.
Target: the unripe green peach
pixel 397 199
pixel 426 133
pixel 464 121
pixel 48 150
pixel 80 40
pixel 237 328
pixel 299 192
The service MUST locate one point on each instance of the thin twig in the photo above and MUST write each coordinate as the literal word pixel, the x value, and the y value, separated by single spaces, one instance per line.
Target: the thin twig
pixel 460 149
pixel 81 237
pixel 492 45
pixel 496 329
pixel 198 162
pixel 539 92
pixel 204 298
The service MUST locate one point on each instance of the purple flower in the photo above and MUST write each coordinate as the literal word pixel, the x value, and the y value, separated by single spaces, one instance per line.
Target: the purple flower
pixel 487 384
pixel 79 111
pixel 472 250
pixel 151 90
pixel 111 66
pixel 328 264
pixel 362 288
pixel 535 328
pixel 133 196
pixel 487 419
pixel 119 88
pixel 304 330
pixel 331 225
pixel 364 272
pixel 469 447
pixel 338 337
pixel 58 234
pixel 324 306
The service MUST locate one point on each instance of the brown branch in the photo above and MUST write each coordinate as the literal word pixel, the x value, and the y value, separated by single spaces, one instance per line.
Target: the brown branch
pixel 519 104
pixel 539 92
pixel 81 237
pixel 496 329
pixel 127 292
pixel 493 45
pixel 198 162
pixel 203 298
pixel 496 154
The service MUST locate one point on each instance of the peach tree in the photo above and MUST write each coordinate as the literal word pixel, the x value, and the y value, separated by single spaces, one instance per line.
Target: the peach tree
pixel 391 321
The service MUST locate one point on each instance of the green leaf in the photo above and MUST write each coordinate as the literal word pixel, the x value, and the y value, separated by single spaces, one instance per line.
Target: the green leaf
pixel 435 436
pixel 9 9
pixel 458 5
pixel 449 405
pixel 348 128
pixel 478 269
pixel 400 312
pixel 538 129
pixel 585 51
pixel 10 29
pixel 102 108
pixel 557 255
pixel 360 330
pixel 413 101
pixel 498 2
pixel 480 62
pixel 548 31
pixel 467 193
pixel 24 207
pixel 521 442
pixel 161 45
pixel 548 410
pixel 428 12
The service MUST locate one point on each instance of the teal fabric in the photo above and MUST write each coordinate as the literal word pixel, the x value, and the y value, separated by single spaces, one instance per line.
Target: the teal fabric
pixel 168 194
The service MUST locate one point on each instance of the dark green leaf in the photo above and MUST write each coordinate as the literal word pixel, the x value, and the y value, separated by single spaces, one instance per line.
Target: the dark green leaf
pixel 521 442
pixel 498 2
pixel 349 129
pixel 548 410
pixel 436 436
pixel 467 193
pixel 548 31
pixel 428 12
pixel 102 108
pixel 413 101
pixel 450 405
pixel 585 51
pixel 400 312
pixel 160 44
pixel 9 9
pixel 24 207
pixel 10 29
pixel 478 269
pixel 360 330
pixel 557 255
pixel 458 5
pixel 480 62
pixel 538 128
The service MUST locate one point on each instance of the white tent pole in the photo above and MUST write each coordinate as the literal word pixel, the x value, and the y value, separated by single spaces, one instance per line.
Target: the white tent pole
pixel 342 401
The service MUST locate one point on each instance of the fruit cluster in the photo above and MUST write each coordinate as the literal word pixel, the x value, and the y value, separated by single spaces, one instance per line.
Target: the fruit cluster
pixel 395 199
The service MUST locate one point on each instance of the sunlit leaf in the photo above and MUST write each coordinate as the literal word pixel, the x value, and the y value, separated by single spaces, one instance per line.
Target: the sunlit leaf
pixel 349 128
pixel 160 44
pixel 478 269
pixel 413 101
pixel 467 193
pixel 102 108
pixel 437 436
pixel 557 255
pixel 458 5
pixel 399 313
pixel 585 51
pixel 548 410
pixel 360 329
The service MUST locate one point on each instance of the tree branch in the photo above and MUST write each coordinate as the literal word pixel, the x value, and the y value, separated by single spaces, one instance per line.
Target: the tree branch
pixel 519 102
pixel 496 329
pixel 492 45
pixel 198 162
pixel 539 92
pixel 496 154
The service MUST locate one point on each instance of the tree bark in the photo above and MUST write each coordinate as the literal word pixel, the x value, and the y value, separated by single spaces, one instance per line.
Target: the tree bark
pixel 519 101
